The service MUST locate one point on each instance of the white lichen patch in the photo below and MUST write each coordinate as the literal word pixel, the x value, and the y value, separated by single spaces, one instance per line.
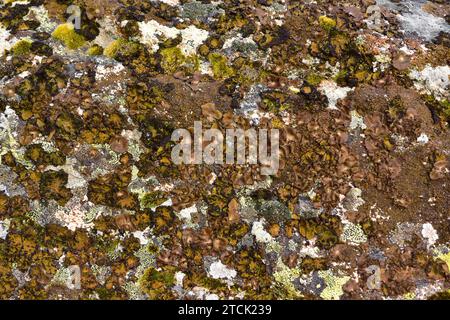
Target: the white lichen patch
pixel 249 104
pixel 47 146
pixel 107 33
pixel 186 216
pixel 423 138
pixel 142 236
pixel 5 44
pixel 432 80
pixel 179 277
pixel 357 121
pixel 41 14
pixel 422 23
pixel 151 30
pixel 133 290
pixel 65 276
pixel 146 259
pixel 9 124
pixel 4 227
pixel 217 270
pixel 260 233
pixel 104 71
pixel 170 2
pixel 73 217
pixel 353 199
pixel 101 273
pixel 135 146
pixel 404 233
pixel 245 46
pixel 192 36
pixel 430 234
pixel 8 183
pixel 382 62
pixel 333 92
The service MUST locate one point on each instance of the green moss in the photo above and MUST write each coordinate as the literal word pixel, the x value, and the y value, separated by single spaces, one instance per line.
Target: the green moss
pixel 95 50
pixel 67 35
pixel 21 47
pixel 327 23
pixel 172 59
pixel 220 66
pixel 112 49
pixel 314 79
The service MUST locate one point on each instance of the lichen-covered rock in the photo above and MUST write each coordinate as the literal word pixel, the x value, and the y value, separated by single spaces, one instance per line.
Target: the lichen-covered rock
pixel 94 205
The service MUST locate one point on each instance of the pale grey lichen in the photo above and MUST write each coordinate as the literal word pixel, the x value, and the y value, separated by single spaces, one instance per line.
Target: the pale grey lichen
pixel 353 234
pixel 8 183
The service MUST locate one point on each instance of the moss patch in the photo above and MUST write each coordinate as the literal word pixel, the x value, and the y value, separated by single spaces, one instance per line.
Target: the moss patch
pixel 67 35
pixel 219 65
pixel 21 47
pixel 327 23
pixel 112 49
pixel 172 59
pixel 95 50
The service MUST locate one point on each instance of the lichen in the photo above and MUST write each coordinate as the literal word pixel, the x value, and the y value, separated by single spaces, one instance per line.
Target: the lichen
pixel 68 36
pixel 219 65
pixel 333 285
pixel 327 23
pixel 21 47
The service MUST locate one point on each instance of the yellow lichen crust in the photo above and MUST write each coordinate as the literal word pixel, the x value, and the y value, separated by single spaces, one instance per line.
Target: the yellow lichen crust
pixel 219 65
pixel 112 48
pixel 327 23
pixel 68 36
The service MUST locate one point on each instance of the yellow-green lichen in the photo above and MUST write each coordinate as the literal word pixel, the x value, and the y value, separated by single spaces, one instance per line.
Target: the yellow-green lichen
pixel 443 255
pixel 21 47
pixel 327 23
pixel 334 283
pixel 314 79
pixel 152 199
pixel 284 277
pixel 157 283
pixel 95 50
pixel 219 65
pixel 67 35
pixel 172 59
pixel 111 50
pixel 409 296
